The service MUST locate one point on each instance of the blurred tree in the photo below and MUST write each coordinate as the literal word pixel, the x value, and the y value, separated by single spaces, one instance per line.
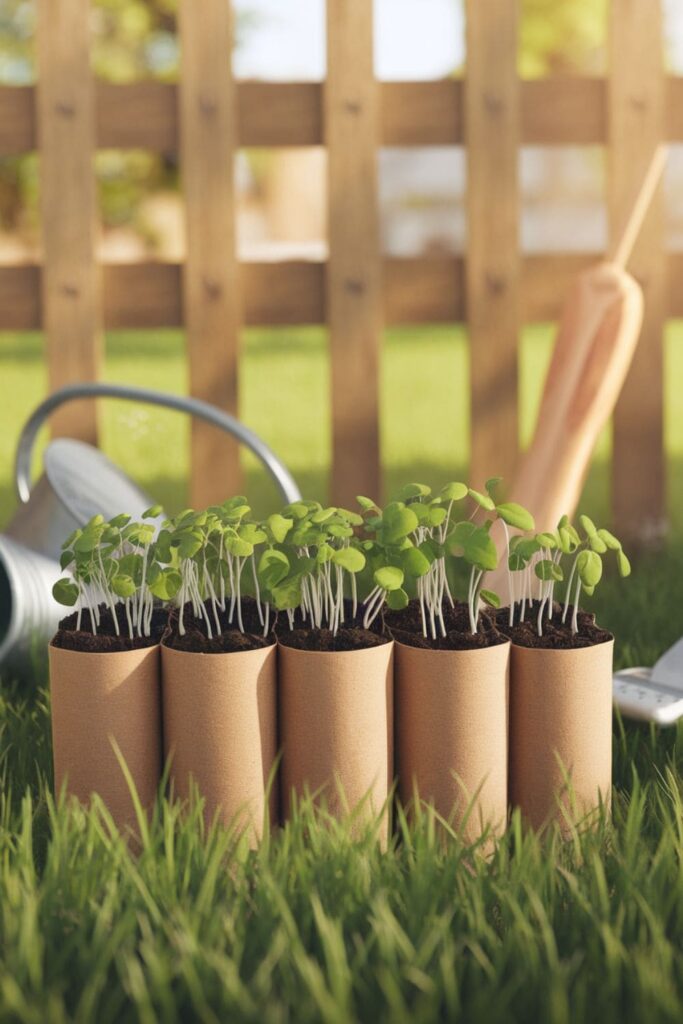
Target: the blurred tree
pixel 562 36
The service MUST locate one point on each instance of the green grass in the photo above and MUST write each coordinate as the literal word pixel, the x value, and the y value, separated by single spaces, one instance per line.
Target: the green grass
pixel 315 927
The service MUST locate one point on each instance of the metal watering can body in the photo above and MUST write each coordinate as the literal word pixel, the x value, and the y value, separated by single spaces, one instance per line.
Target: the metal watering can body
pixel 77 483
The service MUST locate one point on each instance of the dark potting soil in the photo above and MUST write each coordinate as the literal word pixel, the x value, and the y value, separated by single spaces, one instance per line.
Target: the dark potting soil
pixel 556 634
pixel 406 627
pixel 351 635
pixel 105 641
pixel 348 638
pixel 230 639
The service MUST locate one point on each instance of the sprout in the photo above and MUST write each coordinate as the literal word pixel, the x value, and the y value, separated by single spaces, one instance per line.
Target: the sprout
pixel 312 554
pixel 113 563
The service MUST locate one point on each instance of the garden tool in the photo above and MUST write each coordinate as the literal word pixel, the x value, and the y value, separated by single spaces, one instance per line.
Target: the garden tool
pixel 78 482
pixel 599 329
pixel 653 694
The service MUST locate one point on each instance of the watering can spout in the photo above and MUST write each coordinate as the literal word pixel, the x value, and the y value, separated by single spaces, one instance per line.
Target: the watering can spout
pixel 79 482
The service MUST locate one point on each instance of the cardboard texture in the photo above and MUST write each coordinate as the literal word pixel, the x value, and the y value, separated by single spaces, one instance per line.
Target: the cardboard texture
pixel 560 728
pixel 220 730
pixel 97 699
pixel 336 722
pixel 451 734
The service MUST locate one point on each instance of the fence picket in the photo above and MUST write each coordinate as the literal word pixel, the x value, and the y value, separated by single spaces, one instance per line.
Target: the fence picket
pixel 636 128
pixel 354 290
pixel 70 286
pixel 211 294
pixel 492 117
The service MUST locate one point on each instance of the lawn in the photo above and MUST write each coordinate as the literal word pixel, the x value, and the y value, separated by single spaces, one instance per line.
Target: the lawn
pixel 315 927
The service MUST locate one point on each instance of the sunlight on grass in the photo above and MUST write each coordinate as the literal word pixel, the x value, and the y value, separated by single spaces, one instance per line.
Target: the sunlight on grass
pixel 424 407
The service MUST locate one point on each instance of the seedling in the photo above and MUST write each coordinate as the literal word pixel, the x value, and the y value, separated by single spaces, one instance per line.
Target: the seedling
pixel 545 552
pixel 211 549
pixel 511 515
pixel 312 553
pixel 406 549
pixel 412 538
pixel 112 563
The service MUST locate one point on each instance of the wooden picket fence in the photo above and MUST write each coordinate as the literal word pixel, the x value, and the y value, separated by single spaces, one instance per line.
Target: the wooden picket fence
pixel 68 115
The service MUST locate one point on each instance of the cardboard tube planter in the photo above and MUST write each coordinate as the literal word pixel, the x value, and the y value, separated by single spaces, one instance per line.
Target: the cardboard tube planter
pixel 560 732
pixel 336 721
pixel 220 732
pixel 451 734
pixel 100 702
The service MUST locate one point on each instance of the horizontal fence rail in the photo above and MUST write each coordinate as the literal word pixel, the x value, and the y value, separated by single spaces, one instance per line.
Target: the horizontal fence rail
pixel 144 115
pixel 494 288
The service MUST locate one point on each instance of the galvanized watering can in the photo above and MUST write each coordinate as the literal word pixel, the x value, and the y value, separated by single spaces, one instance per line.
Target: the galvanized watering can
pixel 79 482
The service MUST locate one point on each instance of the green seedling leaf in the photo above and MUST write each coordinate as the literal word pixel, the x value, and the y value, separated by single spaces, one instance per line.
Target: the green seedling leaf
pixel 413 491
pixel 252 533
pixel 480 551
pixel 546 540
pixel 166 584
pixel 279 526
pixel 189 543
pixel 597 544
pixel 324 553
pixel 549 571
pixel 414 562
pixel 123 586
pixel 483 500
pixel 389 577
pixel 272 568
pixel 397 600
pixel 350 559
pixel 153 512
pixel 589 568
pixel 397 522
pixel 352 518
pixel 436 515
pixel 367 504
pixel 287 594
pixel 515 515
pixel 589 527
pixel 459 536
pixel 340 530
pixel 65 559
pixel 609 540
pixel 455 491
pixel 65 592
pixel 490 598
pixel 492 483
pixel 239 548
pixel 623 564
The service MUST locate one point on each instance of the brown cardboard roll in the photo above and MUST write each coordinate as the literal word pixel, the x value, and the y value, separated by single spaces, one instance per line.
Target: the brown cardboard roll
pixel 451 734
pixel 336 722
pixel 560 729
pixel 97 699
pixel 220 730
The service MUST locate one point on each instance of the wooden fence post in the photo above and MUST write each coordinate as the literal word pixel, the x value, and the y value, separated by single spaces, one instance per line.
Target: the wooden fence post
pixel 211 292
pixel 635 129
pixel 492 117
pixel 354 295
pixel 70 292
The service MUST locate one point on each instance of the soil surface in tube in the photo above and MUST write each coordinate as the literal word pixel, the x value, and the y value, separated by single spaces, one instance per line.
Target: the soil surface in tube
pixel 407 627
pixel 556 635
pixel 106 640
pixel 226 635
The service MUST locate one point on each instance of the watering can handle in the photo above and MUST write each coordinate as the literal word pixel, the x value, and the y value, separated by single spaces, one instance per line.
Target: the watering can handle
pixel 202 410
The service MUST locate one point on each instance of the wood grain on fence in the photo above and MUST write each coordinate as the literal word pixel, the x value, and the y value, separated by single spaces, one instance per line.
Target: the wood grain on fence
pixel 636 127
pixel 70 280
pixel 211 292
pixel 354 295
pixel 558 111
pixel 492 262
